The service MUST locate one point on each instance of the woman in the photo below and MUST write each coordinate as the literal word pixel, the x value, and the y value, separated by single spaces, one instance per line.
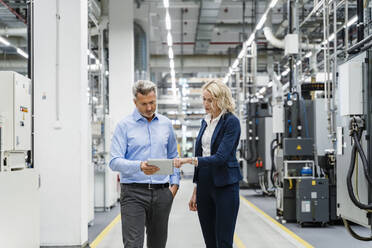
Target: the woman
pixel 217 173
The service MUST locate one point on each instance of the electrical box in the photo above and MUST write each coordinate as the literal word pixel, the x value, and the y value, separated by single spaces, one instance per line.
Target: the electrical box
pixel 278 118
pixel 351 88
pixel 298 147
pixel 291 44
pixel 312 200
pixel 15 115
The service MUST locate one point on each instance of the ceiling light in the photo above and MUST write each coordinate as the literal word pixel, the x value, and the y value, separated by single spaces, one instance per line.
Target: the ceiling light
pixel 242 53
pixel 352 21
pixel 166 3
pixel 270 84
pixel 285 73
pixel 173 73
pixel 21 52
pixel 171 64
pixel 262 90
pixel 167 21
pixel 261 22
pixel 170 53
pixel 250 39
pixel 235 64
pixel 169 39
pixel 4 41
pixel 308 55
pixel 273 3
pixel 299 63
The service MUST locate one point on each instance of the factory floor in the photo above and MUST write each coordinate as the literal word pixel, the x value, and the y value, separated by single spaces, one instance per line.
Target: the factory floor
pixel 256 227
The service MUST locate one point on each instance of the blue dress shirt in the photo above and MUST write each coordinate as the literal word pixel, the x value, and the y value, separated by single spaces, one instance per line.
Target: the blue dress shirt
pixel 135 140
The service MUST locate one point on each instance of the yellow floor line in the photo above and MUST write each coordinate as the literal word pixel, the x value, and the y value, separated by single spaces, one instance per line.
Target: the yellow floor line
pixel 293 235
pixel 238 242
pixel 103 234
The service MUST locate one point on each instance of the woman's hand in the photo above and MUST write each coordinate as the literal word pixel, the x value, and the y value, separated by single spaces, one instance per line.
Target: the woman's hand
pixel 192 202
pixel 178 162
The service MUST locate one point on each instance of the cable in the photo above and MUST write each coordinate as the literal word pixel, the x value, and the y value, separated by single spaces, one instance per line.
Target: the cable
pixel 353 233
pixel 363 157
pixel 356 135
pixel 273 166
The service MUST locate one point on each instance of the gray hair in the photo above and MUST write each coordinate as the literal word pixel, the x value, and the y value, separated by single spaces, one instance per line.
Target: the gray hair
pixel 143 87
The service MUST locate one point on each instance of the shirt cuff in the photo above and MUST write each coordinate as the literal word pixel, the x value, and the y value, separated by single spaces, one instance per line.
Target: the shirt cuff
pixel 175 178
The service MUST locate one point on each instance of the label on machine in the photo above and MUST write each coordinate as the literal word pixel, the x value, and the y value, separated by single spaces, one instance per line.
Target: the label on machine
pixel 305 206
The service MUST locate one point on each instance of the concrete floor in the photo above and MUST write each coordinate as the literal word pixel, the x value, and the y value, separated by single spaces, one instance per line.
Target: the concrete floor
pixel 253 228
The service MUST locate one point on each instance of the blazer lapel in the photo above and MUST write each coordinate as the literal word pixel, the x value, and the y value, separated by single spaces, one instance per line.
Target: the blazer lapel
pixel 198 139
pixel 216 130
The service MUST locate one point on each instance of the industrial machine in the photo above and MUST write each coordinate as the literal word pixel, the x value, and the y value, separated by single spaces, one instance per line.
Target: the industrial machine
pixel 312 201
pixel 255 146
pixel 354 149
pixel 106 191
pixel 15 121
pixel 19 182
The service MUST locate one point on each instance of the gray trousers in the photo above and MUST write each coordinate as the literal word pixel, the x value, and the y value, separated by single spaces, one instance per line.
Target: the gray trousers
pixel 140 208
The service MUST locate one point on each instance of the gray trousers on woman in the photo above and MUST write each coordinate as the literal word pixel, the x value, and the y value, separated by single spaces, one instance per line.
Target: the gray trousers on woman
pixel 140 208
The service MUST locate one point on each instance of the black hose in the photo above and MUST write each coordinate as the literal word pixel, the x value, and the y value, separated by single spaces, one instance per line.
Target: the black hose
pixel 363 157
pixel 273 166
pixel 353 233
pixel 356 137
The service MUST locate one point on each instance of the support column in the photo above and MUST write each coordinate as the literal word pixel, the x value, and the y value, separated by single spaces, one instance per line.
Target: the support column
pixel 121 46
pixel 61 119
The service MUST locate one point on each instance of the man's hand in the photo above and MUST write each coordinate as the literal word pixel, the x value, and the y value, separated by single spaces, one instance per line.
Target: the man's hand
pixel 148 169
pixel 174 189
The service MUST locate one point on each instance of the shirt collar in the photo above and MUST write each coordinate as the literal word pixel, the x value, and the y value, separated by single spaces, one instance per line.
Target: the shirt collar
pixel 208 117
pixel 137 116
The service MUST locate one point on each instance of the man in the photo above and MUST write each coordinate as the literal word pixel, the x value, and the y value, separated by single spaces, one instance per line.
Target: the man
pixel 146 199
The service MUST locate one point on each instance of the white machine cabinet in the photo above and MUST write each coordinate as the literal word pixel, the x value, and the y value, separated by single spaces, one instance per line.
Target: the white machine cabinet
pixel 15 119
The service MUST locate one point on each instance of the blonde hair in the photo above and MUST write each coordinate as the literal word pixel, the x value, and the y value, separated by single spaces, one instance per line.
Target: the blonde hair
pixel 221 94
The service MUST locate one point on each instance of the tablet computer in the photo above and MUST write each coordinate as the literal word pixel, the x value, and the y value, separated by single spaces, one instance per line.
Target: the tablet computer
pixel 165 166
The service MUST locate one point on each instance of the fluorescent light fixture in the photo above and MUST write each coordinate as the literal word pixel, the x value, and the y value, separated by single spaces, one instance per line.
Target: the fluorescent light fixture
pixel 352 21
pixel 270 84
pixel 308 55
pixel 285 73
pixel 226 79
pixel 171 64
pixel 166 3
pixel 4 41
pixel 173 81
pixel 235 64
pixel 250 39
pixel 273 3
pixel 169 39
pixel 170 53
pixel 262 90
pixel 22 53
pixel 173 73
pixel 167 21
pixel 242 53
pixel 261 22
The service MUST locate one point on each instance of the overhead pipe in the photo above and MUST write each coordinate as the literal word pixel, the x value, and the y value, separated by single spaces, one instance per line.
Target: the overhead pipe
pixel 360 23
pixel 281 43
pixel 13 32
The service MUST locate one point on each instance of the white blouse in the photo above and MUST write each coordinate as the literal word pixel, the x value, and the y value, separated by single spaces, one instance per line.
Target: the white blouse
pixel 208 133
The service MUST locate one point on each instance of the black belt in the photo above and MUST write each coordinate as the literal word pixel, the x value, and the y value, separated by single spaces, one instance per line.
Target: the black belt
pixel 148 185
